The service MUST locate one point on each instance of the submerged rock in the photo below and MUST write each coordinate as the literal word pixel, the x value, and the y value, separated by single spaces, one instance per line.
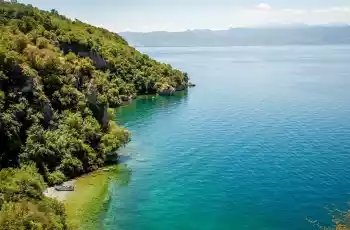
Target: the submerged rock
pixel 181 88
pixel 125 98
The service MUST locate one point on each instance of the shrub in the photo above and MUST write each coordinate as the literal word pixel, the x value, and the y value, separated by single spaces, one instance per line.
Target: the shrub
pixel 18 184
pixel 23 205
pixel 55 178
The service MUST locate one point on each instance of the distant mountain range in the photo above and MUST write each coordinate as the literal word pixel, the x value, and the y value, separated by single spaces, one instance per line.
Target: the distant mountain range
pixel 263 36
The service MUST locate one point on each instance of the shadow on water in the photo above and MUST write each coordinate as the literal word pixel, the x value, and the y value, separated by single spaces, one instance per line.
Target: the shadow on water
pixel 123 159
pixel 145 106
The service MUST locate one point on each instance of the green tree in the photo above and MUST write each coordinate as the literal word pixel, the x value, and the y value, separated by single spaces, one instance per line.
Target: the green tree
pixel 23 205
pixel 58 77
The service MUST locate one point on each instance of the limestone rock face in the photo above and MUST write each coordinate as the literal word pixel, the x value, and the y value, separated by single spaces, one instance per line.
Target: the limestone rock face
pixel 83 51
pixel 96 58
pixel 28 86
pixel 48 113
pixel 99 110
pixel 167 91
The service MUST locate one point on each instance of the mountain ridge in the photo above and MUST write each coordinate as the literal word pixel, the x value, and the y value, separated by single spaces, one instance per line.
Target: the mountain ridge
pixel 332 34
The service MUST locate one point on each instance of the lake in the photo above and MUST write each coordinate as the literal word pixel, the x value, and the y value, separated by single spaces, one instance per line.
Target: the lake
pixel 262 142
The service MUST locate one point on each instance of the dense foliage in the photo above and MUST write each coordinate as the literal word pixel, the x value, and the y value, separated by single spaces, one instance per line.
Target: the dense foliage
pixel 58 80
pixel 58 77
pixel 23 205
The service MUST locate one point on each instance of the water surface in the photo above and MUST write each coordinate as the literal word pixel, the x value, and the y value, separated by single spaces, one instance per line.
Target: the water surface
pixel 262 142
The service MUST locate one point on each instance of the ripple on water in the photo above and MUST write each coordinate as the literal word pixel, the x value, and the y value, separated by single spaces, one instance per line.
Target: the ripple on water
pixel 261 143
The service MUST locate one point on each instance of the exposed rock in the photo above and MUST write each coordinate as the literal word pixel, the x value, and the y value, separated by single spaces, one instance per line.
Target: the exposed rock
pixel 166 91
pixel 48 113
pixel 84 51
pixel 181 88
pixel 125 98
pixel 73 47
pixel 96 58
pixel 99 110
pixel 190 84
pixel 28 86
pixel 105 117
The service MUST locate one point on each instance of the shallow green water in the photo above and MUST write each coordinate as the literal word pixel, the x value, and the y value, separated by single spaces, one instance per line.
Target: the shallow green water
pixel 262 142
pixel 87 205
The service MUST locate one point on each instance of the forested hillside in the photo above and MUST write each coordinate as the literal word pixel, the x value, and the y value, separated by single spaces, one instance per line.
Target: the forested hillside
pixel 58 80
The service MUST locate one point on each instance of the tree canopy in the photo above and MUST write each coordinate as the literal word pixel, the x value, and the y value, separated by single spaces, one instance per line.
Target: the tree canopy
pixel 23 205
pixel 58 77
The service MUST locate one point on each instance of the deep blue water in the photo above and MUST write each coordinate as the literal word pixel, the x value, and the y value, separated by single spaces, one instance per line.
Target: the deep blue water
pixel 262 142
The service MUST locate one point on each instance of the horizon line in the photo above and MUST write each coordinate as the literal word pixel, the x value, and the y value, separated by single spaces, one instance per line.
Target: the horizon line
pixel 272 26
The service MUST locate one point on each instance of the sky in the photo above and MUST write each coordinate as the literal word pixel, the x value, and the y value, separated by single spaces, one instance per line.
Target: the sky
pixel 179 15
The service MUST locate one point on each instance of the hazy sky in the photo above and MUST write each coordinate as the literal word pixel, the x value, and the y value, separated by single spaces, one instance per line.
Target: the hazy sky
pixel 177 15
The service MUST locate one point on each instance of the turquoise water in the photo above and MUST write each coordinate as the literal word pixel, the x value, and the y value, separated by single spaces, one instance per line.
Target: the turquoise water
pixel 262 142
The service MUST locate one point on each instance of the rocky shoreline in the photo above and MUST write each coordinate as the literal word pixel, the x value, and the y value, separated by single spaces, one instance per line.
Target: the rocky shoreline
pixel 52 192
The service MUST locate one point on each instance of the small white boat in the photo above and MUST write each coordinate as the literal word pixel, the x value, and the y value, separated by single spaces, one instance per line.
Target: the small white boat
pixel 64 188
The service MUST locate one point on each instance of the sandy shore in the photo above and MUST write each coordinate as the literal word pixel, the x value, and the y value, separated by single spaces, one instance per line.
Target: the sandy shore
pixel 59 195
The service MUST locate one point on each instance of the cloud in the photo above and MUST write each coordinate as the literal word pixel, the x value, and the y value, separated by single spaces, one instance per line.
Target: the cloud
pixel 320 11
pixel 332 10
pixel 263 6
pixel 295 11
pixel 340 9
